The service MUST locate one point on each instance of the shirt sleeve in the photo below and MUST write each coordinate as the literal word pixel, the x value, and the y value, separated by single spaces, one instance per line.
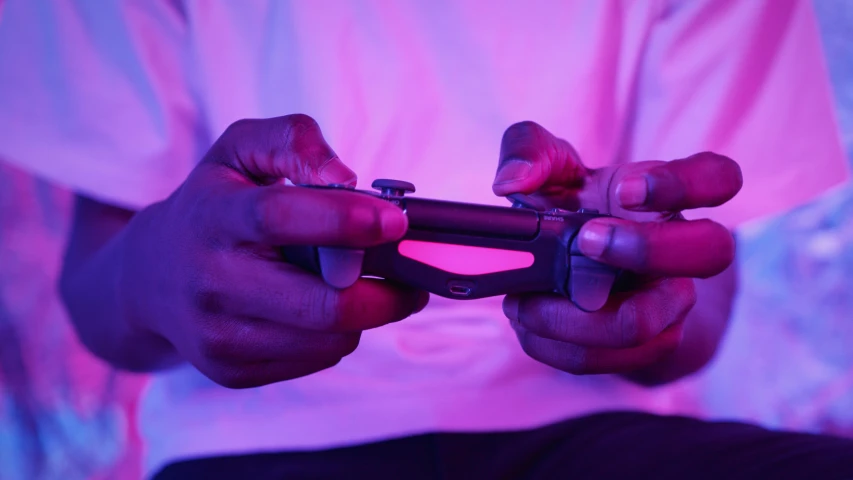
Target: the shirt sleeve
pixel 96 97
pixel 745 79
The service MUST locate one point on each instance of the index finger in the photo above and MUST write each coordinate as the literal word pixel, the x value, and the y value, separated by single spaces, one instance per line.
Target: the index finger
pixel 270 149
pixel 694 249
pixel 701 180
pixel 278 215
pixel 531 158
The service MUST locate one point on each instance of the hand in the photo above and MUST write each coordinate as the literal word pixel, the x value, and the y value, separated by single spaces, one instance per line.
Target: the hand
pixel 644 325
pixel 203 271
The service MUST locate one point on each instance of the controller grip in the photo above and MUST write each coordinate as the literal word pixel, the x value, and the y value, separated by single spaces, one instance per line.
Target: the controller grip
pixel 339 267
pixel 590 282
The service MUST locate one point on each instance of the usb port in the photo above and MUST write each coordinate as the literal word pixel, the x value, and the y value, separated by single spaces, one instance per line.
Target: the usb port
pixel 460 291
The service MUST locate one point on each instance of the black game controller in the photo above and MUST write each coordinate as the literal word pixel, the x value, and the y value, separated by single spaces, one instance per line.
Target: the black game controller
pixel 467 251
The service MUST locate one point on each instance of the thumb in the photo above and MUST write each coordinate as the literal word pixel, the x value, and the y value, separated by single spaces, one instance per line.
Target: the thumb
pixel 291 147
pixel 532 158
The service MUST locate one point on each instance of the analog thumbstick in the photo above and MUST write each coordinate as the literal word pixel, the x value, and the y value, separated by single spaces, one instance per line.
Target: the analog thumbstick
pixel 393 188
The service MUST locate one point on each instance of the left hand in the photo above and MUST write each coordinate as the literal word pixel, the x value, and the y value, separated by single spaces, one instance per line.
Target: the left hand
pixel 636 328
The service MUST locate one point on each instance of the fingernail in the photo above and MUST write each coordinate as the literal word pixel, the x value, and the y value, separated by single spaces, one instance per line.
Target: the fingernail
pixel 595 237
pixel 423 300
pixel 334 171
pixel 513 171
pixel 394 222
pixel 633 191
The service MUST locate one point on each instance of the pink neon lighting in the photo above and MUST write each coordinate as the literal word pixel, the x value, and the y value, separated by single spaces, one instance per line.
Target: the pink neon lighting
pixel 464 259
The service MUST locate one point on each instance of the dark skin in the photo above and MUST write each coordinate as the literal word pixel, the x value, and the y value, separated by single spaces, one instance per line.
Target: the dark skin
pixel 197 277
pixel 671 320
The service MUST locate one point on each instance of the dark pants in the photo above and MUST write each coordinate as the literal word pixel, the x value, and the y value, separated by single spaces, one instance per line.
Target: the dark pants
pixel 605 446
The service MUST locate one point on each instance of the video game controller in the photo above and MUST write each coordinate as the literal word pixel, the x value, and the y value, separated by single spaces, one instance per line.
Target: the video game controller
pixel 468 251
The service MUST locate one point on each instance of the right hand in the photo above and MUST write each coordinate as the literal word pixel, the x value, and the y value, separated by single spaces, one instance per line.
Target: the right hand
pixel 202 269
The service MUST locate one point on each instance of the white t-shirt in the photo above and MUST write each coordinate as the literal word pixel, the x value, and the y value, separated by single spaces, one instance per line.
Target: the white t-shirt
pixel 118 100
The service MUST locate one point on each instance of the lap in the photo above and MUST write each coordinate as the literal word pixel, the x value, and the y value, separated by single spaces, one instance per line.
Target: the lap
pixel 603 446
pixel 637 445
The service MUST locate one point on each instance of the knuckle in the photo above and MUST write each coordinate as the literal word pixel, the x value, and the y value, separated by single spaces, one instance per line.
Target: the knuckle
pixel 206 295
pixel 212 344
pixel 528 316
pixel 372 228
pixel 324 307
pixel 233 378
pixel 521 134
pixel 551 317
pixel 366 221
pixel 688 296
pixel 238 128
pixel 565 357
pixel 670 188
pixel 301 122
pixel 314 368
pixel 356 220
pixel 299 133
pixel 261 221
pixel 669 344
pixel 344 345
pixel 641 244
pixel 632 330
pixel 267 212
pixel 529 345
pixel 522 313
pixel 578 361
pixel 524 127
pixel 209 301
pixel 339 219
pixel 564 147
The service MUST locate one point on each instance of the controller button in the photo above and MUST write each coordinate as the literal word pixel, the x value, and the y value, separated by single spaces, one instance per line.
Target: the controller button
pixel 590 211
pixel 520 200
pixel 393 188
pixel 589 283
pixel 341 185
pixel 341 267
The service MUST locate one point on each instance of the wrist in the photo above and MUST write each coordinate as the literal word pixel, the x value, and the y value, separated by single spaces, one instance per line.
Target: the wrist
pixel 142 339
pixel 96 287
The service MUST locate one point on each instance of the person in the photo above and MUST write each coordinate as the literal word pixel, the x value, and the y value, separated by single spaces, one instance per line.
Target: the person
pixel 179 125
